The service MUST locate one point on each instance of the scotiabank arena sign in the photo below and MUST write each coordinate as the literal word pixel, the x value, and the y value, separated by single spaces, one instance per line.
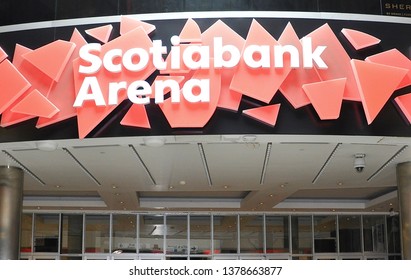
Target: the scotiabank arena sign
pixel 190 75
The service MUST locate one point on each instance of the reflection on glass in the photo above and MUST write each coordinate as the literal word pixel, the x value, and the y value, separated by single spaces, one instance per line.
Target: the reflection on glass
pixel 325 235
pixel 46 233
pixel 26 233
pixel 176 235
pixel 152 231
pixel 200 235
pixel 71 234
pixel 278 240
pixel 350 233
pixel 393 229
pixel 251 234
pixel 124 234
pixel 374 234
pixel 301 229
pixel 97 237
pixel 225 234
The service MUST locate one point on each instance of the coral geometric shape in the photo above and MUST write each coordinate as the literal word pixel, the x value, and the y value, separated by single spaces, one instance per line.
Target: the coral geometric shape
pixel 337 60
pixel 38 80
pixel 359 40
pixel 3 55
pixel 35 104
pixel 51 59
pixel 190 33
pixel 194 115
pixel 101 33
pixel 12 84
pixel 261 83
pixel 266 114
pixel 89 115
pixel 394 58
pixel 36 77
pixel 377 82
pixel 63 93
pixel 136 116
pixel 229 99
pixel 326 97
pixel 128 24
pixel 291 88
pixel 404 103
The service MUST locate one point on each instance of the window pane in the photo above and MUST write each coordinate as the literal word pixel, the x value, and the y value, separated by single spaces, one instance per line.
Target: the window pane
pixel 200 235
pixel 71 234
pixel 225 234
pixel 97 237
pixel 251 234
pixel 176 235
pixel 350 233
pixel 393 229
pixel 46 233
pixel 124 234
pixel 301 229
pixel 325 235
pixel 151 233
pixel 278 240
pixel 26 232
pixel 374 234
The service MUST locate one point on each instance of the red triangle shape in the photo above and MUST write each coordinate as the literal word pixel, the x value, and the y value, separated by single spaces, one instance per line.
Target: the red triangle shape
pixel 63 93
pixel 137 117
pixel 266 114
pixel 360 40
pixel 51 59
pixel 394 58
pixel 260 83
pixel 35 104
pixel 191 32
pixel 3 55
pixel 101 33
pixel 376 83
pixel 128 24
pixel 404 103
pixel 326 97
pixel 13 85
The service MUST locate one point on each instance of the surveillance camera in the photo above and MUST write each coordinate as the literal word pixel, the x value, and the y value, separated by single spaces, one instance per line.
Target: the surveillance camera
pixel 359 163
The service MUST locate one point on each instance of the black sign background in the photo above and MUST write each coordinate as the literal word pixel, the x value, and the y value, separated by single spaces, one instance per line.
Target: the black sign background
pixel 352 120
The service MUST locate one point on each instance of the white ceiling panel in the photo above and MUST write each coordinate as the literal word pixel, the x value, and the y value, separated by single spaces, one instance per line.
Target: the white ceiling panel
pixel 175 165
pixel 238 165
pixel 113 166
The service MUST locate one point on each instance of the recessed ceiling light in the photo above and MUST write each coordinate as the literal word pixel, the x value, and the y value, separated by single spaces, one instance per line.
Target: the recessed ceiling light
pixel 47 146
pixel 121 202
pixel 182 182
pixel 271 195
pixel 225 187
pixel 154 142
pixel 57 186
pixel 114 187
pixel 171 187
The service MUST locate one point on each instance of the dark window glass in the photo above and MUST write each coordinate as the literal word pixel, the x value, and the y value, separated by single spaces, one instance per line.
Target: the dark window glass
pixel 350 233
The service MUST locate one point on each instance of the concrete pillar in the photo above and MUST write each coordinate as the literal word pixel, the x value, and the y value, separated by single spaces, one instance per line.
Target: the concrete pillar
pixel 11 200
pixel 404 199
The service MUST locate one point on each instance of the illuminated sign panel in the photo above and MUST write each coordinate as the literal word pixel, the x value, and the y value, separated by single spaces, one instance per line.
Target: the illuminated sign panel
pixel 188 76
